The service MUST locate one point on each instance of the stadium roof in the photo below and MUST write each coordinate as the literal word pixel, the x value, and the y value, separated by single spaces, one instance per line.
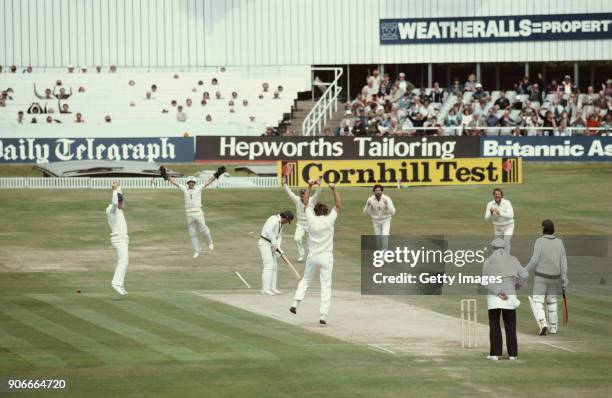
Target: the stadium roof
pixel 102 168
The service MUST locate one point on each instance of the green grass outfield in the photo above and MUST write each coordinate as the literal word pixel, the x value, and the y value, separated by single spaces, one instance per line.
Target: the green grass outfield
pixel 161 340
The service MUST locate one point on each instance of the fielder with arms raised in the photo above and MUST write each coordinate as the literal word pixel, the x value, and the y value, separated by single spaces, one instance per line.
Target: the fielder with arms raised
pixel 119 237
pixel 302 223
pixel 380 207
pixel 269 244
pixel 550 264
pixel 195 215
pixel 500 212
pixel 320 249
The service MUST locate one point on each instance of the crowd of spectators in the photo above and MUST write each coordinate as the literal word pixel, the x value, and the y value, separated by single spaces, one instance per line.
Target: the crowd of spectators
pixel 385 107
pixel 60 95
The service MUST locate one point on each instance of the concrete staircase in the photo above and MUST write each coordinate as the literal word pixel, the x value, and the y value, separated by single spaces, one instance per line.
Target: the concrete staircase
pixel 304 108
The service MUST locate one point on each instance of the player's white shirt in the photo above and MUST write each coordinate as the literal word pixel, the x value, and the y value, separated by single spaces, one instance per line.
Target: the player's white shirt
pixel 193 198
pixel 320 232
pixel 300 213
pixel 506 213
pixel 272 230
pixel 116 220
pixel 378 210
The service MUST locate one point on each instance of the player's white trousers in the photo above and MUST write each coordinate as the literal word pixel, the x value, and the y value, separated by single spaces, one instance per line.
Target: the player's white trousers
pixel 298 237
pixel 381 230
pixel 325 264
pixel 195 224
pixel 504 232
pixel 121 249
pixel 545 293
pixel 270 266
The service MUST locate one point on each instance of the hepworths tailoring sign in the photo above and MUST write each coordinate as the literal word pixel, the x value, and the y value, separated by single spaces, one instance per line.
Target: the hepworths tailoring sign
pixel 548 148
pixel 496 29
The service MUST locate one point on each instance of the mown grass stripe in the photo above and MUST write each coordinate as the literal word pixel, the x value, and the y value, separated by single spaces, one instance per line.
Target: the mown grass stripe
pixel 236 347
pixel 85 347
pixel 32 354
pixel 151 340
pixel 126 351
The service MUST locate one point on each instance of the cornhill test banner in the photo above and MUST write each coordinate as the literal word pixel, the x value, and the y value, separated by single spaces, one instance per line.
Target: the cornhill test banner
pixel 404 172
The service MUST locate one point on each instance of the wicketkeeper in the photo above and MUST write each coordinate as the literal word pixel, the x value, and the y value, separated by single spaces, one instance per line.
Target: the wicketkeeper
pixel 269 244
pixel 550 264
pixel 193 208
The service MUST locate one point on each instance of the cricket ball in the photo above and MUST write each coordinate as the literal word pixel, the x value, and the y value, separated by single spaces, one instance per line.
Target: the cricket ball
pixel 78 290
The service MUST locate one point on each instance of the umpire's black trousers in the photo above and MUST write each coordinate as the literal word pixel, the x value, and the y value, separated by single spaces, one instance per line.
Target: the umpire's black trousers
pixel 495 334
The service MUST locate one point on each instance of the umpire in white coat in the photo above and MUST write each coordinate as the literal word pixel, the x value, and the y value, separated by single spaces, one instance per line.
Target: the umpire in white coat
pixel 501 299
pixel 269 244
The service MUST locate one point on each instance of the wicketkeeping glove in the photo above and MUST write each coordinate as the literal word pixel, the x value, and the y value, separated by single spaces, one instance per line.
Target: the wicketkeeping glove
pixel 219 171
pixel 164 173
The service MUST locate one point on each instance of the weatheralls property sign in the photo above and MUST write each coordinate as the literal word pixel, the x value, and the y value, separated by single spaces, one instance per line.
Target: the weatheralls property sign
pixel 45 150
pixel 549 148
pixel 360 173
pixel 501 28
pixel 292 148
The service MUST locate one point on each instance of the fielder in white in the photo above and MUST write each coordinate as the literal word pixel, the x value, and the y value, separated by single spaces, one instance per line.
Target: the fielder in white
pixel 500 212
pixel 550 264
pixel 380 208
pixel 320 250
pixel 119 237
pixel 195 215
pixel 302 223
pixel 269 244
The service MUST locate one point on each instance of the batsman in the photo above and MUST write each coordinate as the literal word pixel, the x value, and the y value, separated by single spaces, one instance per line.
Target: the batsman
pixel 193 208
pixel 269 245
pixel 550 264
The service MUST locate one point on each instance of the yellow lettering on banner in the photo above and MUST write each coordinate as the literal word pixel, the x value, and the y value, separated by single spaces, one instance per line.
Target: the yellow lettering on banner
pixel 416 172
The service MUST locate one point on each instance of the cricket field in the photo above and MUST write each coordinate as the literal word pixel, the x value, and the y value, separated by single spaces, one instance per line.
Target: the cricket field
pixel 182 330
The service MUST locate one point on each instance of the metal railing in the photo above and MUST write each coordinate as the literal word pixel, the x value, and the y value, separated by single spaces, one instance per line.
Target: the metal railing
pixel 130 183
pixel 496 131
pixel 326 105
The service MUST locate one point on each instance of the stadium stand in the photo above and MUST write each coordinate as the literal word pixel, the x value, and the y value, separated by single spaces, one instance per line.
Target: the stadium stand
pixel 160 102
pixel 397 108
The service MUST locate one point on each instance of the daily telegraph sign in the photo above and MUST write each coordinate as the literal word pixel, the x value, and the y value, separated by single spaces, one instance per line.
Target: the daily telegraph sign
pixel 496 29
pixel 45 150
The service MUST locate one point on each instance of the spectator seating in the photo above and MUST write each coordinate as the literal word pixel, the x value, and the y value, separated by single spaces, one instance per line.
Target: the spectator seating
pixel 111 94
pixel 398 117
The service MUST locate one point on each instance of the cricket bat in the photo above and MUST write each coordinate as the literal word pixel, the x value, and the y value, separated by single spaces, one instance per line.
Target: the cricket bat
pixel 286 260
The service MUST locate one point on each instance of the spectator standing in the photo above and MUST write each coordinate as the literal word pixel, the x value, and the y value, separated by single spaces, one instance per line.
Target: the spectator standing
pixel 566 86
pixel 470 84
pixel 180 115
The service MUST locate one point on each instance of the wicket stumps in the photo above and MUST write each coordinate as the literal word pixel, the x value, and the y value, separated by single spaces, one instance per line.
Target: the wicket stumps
pixel 469 323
